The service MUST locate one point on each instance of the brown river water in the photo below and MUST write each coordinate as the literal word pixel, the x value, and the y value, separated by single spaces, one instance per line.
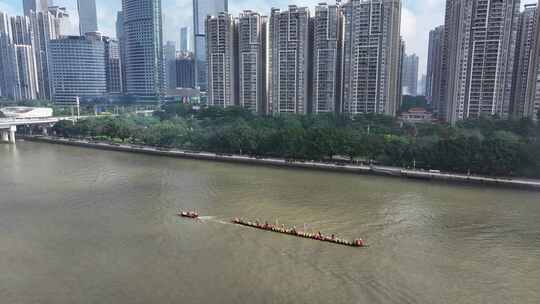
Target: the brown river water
pixel 88 226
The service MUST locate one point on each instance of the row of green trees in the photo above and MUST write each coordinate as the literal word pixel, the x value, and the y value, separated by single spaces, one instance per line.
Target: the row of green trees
pixel 485 146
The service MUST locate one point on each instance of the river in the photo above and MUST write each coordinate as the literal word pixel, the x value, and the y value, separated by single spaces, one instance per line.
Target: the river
pixel 89 226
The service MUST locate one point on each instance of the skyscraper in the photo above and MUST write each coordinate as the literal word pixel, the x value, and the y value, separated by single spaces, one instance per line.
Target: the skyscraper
pixel 479 46
pixel 422 85
pixel 185 70
pixel 526 39
pixel 289 60
pixel 532 98
pixel 122 46
pixel 7 68
pixel 35 5
pixel 434 66
pixel 252 28
pixel 184 39
pixel 410 75
pixel 61 20
pixel 144 47
pixel 371 56
pixel 327 29
pixel 220 58
pixel 113 66
pixel 87 16
pixel 78 67
pixel 169 65
pixel 201 9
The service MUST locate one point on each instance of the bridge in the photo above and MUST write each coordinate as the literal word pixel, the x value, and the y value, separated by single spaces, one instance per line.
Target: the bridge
pixel 8 126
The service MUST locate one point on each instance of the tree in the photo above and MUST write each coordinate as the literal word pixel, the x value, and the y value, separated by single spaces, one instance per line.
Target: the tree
pixel 500 154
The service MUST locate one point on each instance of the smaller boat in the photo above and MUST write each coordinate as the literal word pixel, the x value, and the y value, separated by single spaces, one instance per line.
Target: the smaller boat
pixel 188 214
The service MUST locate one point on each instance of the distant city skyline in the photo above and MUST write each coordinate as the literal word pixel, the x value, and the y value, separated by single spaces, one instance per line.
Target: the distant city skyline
pixel 418 17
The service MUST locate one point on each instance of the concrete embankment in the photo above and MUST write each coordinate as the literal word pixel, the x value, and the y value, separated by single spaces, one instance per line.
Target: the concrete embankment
pixel 276 162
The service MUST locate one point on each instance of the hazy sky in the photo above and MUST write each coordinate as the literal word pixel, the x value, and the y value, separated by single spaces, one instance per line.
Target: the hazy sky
pixel 418 17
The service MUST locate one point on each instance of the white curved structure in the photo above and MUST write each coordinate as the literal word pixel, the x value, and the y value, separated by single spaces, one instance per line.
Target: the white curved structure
pixel 26 112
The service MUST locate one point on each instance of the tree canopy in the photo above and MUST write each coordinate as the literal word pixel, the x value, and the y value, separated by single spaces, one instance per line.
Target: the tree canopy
pixel 484 146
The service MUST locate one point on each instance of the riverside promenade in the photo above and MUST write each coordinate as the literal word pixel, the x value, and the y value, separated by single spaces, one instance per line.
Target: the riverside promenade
pixel 279 162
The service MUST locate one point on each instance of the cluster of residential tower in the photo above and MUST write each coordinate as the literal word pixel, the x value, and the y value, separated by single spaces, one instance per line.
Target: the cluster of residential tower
pixel 346 57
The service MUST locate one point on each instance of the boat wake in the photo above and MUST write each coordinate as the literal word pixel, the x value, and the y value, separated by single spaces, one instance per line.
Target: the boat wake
pixel 213 219
pixel 207 218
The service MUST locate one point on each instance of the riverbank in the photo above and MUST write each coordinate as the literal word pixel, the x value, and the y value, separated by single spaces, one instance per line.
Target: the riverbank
pixel 276 162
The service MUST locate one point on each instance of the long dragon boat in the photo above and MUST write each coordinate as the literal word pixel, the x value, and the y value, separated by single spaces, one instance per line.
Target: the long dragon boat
pixel 294 232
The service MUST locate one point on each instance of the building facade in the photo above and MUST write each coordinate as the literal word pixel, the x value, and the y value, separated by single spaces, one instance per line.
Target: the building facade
pixel 87 16
pixel 479 46
pixel 78 68
pixel 289 60
pixel 410 75
pixel 252 28
pixel 327 31
pixel 143 47
pixel 202 9
pixel 221 60
pixel 371 56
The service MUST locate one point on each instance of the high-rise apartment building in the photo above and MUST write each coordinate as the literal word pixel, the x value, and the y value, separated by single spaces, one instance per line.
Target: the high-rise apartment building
pixel 27 81
pixel 202 9
pixel 434 65
pixel 44 29
pixel 169 65
pixel 252 29
pixel 526 41
pixel 532 99
pixel 113 65
pixel 78 67
pixel 36 6
pixel 221 60
pixel 184 39
pixel 87 16
pixel 479 46
pixel 289 61
pixel 6 65
pixel 17 62
pixel 399 84
pixel 410 75
pixel 327 31
pixel 21 30
pixel 143 47
pixel 371 56
pixel 185 70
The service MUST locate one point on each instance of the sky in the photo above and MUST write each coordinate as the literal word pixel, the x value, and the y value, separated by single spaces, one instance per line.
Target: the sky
pixel 417 19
